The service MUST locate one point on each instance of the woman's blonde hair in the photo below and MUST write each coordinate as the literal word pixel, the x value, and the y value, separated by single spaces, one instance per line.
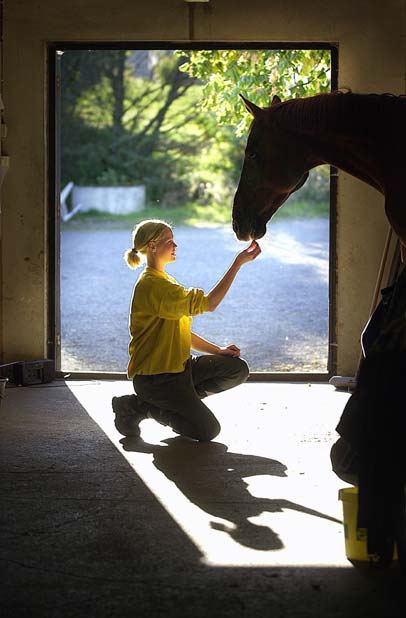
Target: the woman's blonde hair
pixel 143 233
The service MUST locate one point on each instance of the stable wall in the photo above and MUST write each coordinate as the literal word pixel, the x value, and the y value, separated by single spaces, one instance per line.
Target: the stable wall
pixel 371 39
pixel 1 150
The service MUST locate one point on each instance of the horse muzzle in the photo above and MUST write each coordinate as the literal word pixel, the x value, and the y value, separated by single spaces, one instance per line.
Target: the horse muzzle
pixel 249 230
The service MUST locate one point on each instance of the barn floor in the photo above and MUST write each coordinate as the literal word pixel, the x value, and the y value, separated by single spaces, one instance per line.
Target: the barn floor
pixel 94 524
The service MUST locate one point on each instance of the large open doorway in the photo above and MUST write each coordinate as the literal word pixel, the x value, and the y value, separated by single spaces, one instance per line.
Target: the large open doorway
pixel 160 132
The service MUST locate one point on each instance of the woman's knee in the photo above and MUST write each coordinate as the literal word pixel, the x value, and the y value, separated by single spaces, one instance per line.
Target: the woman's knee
pixel 241 369
pixel 209 432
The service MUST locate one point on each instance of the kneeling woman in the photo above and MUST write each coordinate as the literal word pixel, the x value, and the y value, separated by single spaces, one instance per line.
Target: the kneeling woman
pixel 169 382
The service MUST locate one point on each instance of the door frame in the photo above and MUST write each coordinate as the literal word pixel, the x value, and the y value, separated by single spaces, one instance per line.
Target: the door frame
pixel 54 208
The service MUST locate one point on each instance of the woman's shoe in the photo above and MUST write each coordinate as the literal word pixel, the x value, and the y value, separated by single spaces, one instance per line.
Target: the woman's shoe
pixel 128 416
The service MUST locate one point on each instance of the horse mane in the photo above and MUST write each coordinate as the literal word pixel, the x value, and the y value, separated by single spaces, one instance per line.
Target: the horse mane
pixel 345 112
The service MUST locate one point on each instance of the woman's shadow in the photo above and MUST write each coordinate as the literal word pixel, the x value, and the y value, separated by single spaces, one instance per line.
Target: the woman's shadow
pixel 213 478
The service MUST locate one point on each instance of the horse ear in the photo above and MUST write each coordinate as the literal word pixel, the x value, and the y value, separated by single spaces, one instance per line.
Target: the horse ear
pixel 275 100
pixel 251 107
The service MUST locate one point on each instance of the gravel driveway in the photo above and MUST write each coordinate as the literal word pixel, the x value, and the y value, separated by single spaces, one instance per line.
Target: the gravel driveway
pixel 276 311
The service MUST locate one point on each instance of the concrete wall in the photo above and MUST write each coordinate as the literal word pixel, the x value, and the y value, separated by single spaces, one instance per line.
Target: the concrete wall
pixel 371 39
pixel 116 200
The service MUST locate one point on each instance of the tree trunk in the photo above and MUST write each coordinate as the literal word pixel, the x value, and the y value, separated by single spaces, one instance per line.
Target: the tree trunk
pixel 117 85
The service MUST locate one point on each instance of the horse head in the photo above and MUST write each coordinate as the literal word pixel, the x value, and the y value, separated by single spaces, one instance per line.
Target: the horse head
pixel 274 167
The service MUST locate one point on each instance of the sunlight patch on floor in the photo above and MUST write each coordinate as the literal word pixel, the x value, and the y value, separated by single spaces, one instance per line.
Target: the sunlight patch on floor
pixel 263 493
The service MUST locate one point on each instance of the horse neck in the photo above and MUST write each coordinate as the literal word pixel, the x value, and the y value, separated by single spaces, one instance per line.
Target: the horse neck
pixel 352 155
pixel 328 126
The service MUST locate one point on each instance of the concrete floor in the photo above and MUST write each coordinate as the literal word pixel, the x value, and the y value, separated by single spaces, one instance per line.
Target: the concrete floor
pixel 98 525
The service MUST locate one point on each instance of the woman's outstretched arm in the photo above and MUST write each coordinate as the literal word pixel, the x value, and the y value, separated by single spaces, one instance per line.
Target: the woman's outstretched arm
pixel 217 294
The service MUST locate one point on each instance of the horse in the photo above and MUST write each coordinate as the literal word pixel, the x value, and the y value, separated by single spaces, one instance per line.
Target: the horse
pixel 362 134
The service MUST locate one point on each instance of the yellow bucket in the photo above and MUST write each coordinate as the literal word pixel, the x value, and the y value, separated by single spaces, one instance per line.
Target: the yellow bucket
pixel 355 538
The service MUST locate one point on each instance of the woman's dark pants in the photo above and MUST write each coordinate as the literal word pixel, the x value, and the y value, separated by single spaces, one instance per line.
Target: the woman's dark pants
pixel 174 399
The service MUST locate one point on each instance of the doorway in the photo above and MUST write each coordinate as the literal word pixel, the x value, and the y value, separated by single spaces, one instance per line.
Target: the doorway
pixel 161 128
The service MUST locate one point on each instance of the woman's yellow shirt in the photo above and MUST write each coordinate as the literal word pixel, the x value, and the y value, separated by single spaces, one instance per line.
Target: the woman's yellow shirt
pixel 160 323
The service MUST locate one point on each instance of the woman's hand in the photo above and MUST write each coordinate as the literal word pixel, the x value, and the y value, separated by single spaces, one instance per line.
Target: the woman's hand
pixel 230 350
pixel 248 254
pixel 217 294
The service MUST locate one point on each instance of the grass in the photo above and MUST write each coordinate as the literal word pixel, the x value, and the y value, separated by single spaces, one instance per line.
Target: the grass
pixel 300 209
pixel 195 215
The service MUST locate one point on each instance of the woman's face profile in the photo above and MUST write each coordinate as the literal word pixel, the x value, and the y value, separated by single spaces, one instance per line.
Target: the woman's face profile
pixel 166 248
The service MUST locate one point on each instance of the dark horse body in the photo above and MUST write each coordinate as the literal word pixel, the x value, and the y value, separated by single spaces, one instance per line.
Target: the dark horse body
pixel 364 135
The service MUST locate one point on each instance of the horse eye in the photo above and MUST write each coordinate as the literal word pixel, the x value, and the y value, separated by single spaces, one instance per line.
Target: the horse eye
pixel 252 156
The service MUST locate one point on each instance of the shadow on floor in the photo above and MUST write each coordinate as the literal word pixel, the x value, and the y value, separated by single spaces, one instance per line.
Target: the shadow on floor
pixel 213 479
pixel 83 536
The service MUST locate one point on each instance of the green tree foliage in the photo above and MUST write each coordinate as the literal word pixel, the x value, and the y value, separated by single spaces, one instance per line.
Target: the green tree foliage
pixel 172 121
pixel 258 75
pixel 117 118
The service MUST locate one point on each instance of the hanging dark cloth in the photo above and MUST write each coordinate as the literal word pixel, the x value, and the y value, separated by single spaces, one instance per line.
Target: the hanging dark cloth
pixel 373 423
